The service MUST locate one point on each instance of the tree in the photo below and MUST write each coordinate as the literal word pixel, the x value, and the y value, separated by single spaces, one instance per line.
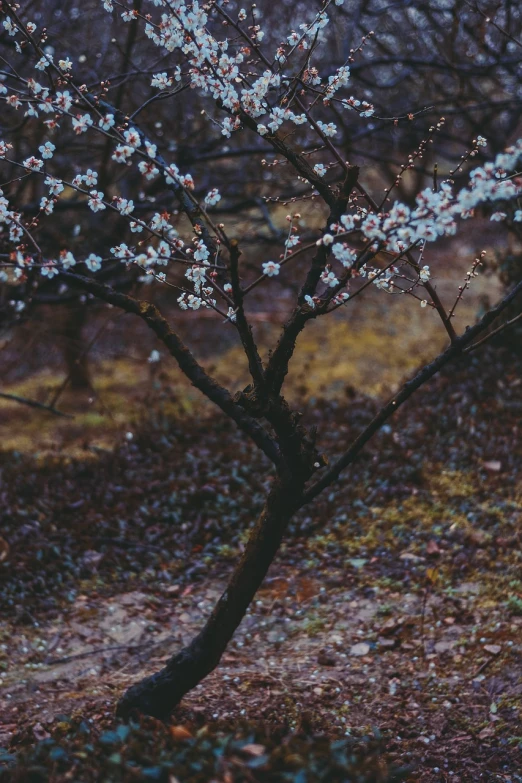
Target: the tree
pixel 428 60
pixel 283 103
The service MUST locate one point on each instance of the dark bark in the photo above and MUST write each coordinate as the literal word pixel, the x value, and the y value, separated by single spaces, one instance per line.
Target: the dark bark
pixel 75 356
pixel 159 694
pixel 185 359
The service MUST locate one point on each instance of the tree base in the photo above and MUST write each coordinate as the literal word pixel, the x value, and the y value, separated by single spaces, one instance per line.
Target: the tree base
pixel 156 696
pixel 159 694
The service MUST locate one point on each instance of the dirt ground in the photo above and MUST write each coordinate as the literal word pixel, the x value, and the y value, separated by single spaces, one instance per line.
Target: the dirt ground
pixel 395 603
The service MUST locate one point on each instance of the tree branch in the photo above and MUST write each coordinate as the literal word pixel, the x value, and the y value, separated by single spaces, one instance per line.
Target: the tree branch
pixel 411 386
pixel 277 367
pixel 494 333
pixel 216 393
pixel 243 327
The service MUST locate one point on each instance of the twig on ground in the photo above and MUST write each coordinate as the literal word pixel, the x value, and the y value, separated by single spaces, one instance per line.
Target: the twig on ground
pixel 35 404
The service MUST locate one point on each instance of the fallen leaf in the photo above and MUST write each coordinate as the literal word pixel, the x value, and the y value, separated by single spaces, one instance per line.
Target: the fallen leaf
pixel 4 549
pixel 389 626
pixel 180 733
pixel 432 548
pixel 39 732
pixel 487 732
pixel 253 749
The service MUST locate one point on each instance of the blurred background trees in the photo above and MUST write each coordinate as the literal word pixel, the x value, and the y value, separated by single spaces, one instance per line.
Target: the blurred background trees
pixel 416 61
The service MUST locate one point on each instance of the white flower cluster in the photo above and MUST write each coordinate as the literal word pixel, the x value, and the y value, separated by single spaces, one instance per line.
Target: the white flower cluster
pixel 193 302
pixel 437 212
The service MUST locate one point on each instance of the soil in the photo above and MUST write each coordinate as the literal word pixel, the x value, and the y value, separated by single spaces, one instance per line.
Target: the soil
pixel 395 604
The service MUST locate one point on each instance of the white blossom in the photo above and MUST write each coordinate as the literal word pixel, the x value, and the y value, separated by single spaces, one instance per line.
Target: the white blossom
pixel 212 197
pixel 33 164
pixel 93 262
pixel 201 253
pixel 67 260
pixel 328 128
pixel 122 153
pixel 107 122
pixel 82 123
pixel 346 255
pixel 63 100
pixel 96 201
pixel 271 268
pixel 329 278
pixel 49 269
pixel 90 178
pixel 47 150
pixel 132 137
pixel 161 81
pixel 124 206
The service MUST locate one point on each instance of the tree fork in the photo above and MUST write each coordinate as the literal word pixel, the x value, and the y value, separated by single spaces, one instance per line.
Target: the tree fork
pixel 159 694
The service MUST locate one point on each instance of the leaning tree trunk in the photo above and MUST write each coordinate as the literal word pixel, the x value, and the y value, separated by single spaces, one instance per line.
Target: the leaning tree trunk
pixel 158 694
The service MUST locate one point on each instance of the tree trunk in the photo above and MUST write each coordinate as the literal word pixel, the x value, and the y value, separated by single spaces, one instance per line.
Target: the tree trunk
pixel 158 694
pixel 74 351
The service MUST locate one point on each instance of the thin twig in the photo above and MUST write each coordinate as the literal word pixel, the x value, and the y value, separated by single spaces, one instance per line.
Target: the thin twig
pixel 110 648
pixel 410 387
pixel 35 404
pixel 493 333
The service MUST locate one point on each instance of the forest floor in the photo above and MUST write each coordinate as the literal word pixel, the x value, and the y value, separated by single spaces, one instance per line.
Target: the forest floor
pixel 395 605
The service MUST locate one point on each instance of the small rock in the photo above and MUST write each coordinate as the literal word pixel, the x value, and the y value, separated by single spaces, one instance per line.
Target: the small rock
pixel 362 648
pixel 326 658
pixel 412 557
pixel 387 644
pixel 432 548
pixel 493 649
pixel 442 647
pixel 493 465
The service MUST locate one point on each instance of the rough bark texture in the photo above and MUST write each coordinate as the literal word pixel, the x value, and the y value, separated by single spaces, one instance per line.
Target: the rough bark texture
pixel 74 352
pixel 159 694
